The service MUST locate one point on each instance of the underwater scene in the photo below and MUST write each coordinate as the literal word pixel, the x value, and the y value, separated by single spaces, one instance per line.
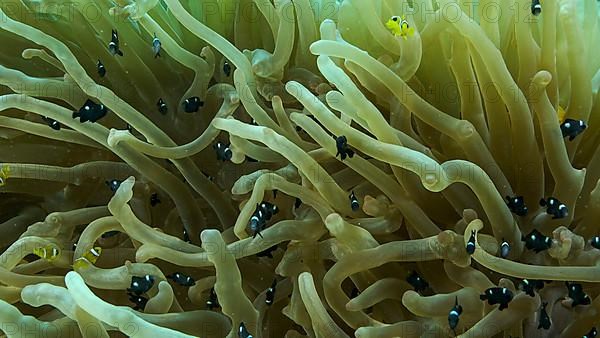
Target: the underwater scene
pixel 299 168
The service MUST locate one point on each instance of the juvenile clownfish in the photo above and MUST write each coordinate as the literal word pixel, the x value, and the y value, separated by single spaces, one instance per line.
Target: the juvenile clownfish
pixel 504 249
pixel 192 104
pixel 4 174
pixel 270 296
pixel 554 207
pixel 343 150
pixel 91 256
pixel 417 282
pixel 181 279
pixel 577 295
pixel 516 205
pixel 497 295
pixel 51 123
pixel 156 45
pixel 353 201
pixel 49 252
pixel 243 332
pixel 595 242
pixel 400 27
pixel 592 334
pixel 162 106
pixel 101 69
pixel 453 315
pixel 530 285
pixel 90 111
pixel 572 128
pixel 141 285
pixel 113 45
pixel 471 243
pixel 139 301
pixel 544 318
pixel 212 301
pixel 223 151
pixel 536 241
pixel 536 8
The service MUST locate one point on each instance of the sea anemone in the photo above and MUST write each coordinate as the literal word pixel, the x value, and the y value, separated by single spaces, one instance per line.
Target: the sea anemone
pixel 296 168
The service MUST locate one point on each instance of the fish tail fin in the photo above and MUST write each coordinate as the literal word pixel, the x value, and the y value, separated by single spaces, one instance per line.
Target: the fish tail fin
pixel 75 114
pixel 543 202
pixel 483 297
pixel 157 55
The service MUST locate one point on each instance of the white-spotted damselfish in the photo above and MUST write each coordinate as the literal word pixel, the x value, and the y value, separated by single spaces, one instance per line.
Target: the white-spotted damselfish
pixel 156 45
pixel 226 68
pixel 530 285
pixel 516 205
pixel 554 207
pixel 454 315
pixel 140 285
pixel 181 279
pixel 52 123
pixel 101 69
pixel 113 45
pixel 544 318
pixel 536 7
pixel 497 295
pixel 536 241
pixel 90 111
pixel 139 301
pixel 353 201
pixel 592 334
pixel 162 106
pixel 223 151
pixel 595 242
pixel 270 296
pixel 243 332
pixel 417 282
pixel 572 128
pixel 192 104
pixel 577 295
pixel 504 248
pixel 471 243
pixel 343 150
pixel 262 214
pixel 113 185
pixel 212 301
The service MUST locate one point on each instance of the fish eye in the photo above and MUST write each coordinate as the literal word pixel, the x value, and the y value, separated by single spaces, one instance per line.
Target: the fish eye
pixel 395 18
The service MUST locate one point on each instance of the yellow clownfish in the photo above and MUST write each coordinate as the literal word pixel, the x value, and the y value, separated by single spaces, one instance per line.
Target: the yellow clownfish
pixel 4 173
pixel 561 114
pixel 89 257
pixel 49 252
pixel 400 27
